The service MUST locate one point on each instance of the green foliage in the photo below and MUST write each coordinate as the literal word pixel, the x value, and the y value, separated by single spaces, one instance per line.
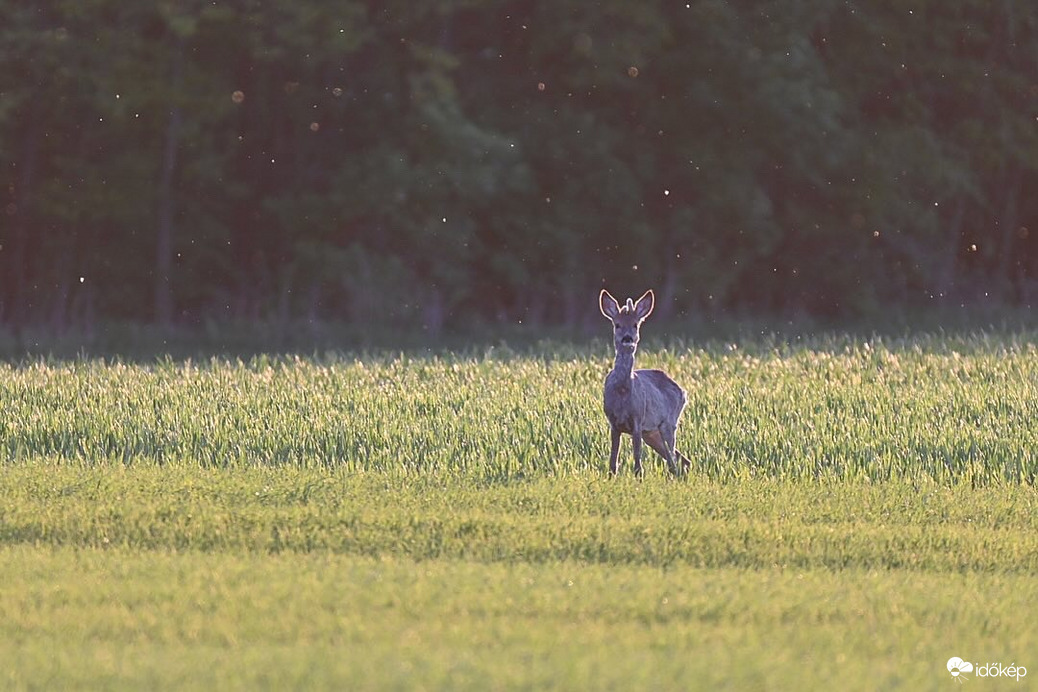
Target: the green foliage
pixel 291 160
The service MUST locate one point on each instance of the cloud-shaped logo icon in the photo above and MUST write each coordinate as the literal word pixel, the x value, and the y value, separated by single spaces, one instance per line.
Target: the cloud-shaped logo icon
pixel 956 666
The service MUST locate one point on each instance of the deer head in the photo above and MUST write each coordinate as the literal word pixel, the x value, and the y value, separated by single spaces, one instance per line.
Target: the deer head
pixel 627 320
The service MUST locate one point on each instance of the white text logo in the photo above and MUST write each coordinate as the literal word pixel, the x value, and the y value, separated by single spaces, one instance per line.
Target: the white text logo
pixel 958 669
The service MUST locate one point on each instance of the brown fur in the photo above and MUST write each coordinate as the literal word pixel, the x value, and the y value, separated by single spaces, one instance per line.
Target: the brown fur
pixel 645 404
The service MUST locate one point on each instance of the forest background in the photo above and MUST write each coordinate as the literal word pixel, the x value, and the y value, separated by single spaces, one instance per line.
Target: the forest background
pixel 453 162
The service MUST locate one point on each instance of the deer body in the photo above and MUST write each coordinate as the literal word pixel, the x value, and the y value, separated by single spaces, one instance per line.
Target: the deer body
pixel 645 404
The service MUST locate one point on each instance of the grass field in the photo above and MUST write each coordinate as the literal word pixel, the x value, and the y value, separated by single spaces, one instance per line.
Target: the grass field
pixel 858 512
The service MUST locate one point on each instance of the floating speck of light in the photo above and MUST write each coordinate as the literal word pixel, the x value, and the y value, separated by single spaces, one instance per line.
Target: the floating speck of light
pixel 632 71
pixel 337 91
pixel 666 193
pixel 238 96
pixel 82 279
pixel 445 219
pixel 541 86
pixel 315 126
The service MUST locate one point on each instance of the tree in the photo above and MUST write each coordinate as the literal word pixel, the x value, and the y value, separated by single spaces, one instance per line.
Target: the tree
pixel 432 163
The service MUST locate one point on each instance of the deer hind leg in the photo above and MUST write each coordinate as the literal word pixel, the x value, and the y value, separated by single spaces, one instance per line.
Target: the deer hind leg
pixel 655 440
pixel 677 463
pixel 683 460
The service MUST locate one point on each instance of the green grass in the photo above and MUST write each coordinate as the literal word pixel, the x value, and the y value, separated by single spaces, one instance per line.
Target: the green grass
pixel 588 518
pixel 940 410
pixel 857 513
pixel 152 620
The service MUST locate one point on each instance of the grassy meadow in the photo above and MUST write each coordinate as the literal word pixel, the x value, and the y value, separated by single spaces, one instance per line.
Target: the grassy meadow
pixel 858 512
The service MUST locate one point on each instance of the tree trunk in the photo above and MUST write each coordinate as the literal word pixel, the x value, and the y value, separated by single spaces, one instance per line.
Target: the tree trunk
pixel 947 253
pixel 167 202
pixel 62 289
pixel 1002 279
pixel 18 311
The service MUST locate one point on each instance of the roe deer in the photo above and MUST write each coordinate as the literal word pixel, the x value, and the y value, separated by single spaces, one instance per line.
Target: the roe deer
pixel 645 404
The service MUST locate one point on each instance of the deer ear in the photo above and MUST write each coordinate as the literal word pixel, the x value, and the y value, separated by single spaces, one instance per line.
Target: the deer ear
pixel 608 305
pixel 643 308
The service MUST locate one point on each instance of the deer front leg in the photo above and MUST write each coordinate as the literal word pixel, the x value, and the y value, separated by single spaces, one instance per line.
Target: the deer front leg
pixel 614 448
pixel 636 442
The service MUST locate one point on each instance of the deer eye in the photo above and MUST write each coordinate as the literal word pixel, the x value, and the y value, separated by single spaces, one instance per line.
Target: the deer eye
pixel 616 327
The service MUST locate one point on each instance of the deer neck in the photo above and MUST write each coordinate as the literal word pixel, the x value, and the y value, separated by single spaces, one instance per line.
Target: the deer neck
pixel 623 366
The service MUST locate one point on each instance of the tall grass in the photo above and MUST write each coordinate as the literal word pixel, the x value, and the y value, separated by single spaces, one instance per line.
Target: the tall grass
pixel 930 408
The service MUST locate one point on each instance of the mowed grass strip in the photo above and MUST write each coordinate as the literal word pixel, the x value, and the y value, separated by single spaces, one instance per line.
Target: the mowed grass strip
pixel 120 618
pixel 949 411
pixel 755 523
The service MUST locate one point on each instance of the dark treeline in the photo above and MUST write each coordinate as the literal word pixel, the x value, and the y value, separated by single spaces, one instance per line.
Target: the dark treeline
pixel 401 162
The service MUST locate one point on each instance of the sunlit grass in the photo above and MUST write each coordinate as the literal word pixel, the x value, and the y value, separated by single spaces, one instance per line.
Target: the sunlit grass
pixel 950 412
pixel 122 618
pixel 857 513
pixel 752 523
